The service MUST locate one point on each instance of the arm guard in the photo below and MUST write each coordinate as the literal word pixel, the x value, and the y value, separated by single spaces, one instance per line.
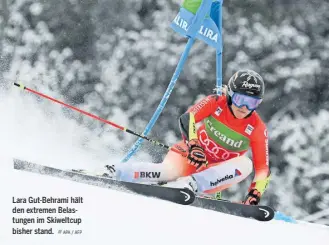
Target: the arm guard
pixel 187 126
pixel 261 185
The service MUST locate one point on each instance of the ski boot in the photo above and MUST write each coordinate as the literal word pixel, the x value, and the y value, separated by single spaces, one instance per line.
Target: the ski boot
pixel 183 182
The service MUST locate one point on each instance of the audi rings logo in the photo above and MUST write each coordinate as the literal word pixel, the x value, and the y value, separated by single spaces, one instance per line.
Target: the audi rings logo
pixel 216 152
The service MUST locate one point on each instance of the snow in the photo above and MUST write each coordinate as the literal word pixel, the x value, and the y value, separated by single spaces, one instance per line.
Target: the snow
pixel 121 218
pixel 36 8
pixel 108 216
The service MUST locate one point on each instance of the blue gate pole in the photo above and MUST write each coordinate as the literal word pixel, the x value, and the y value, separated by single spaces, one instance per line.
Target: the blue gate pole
pixel 191 33
pixel 164 99
pixel 219 76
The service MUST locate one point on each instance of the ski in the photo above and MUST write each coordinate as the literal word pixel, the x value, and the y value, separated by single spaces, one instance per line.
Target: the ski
pixel 259 212
pixel 175 195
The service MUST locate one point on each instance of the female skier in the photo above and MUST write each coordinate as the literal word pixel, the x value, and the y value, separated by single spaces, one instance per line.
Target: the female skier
pixel 216 149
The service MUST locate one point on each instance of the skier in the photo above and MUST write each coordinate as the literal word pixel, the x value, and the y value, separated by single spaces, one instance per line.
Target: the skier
pixel 216 150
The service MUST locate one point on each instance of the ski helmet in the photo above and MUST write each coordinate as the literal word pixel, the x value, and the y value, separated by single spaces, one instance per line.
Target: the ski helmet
pixel 247 82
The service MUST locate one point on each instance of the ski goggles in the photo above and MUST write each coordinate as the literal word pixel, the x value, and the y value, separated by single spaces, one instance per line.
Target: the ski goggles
pixel 240 100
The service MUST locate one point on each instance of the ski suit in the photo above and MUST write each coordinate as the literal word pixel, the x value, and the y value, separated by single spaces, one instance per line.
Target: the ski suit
pixel 225 139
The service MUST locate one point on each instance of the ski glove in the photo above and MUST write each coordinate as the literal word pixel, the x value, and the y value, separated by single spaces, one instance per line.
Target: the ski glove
pixel 253 197
pixel 196 155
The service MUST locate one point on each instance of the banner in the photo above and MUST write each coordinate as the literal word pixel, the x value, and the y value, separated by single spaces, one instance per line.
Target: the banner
pixel 209 31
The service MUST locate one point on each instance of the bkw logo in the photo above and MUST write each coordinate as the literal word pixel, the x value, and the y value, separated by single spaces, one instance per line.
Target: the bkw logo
pixel 146 175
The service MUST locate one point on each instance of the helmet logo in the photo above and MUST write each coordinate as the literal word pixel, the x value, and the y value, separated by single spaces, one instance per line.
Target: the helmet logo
pixel 245 84
pixel 253 78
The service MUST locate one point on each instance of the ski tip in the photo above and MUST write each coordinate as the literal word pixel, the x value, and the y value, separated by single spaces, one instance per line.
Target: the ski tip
pixel 268 213
pixel 189 196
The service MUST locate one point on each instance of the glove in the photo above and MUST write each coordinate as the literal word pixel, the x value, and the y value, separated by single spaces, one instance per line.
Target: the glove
pixel 252 198
pixel 196 155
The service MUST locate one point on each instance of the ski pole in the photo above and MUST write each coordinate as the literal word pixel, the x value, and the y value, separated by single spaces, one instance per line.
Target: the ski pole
pixel 102 120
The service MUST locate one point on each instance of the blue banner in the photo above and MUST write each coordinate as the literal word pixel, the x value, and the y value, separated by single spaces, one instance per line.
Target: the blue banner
pixel 209 31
